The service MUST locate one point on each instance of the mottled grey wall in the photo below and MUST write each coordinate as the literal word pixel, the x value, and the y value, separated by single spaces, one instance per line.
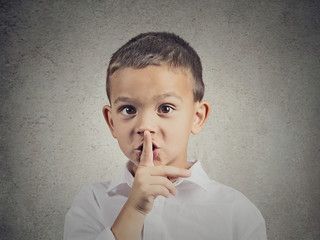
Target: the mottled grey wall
pixel 261 68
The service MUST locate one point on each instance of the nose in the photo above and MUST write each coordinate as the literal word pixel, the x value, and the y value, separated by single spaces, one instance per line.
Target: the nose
pixel 146 122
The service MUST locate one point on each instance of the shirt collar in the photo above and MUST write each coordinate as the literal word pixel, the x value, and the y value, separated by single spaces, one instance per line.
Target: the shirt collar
pixel 125 177
pixel 198 177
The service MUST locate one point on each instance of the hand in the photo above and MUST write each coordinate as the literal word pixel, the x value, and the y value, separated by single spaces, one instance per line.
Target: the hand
pixel 151 181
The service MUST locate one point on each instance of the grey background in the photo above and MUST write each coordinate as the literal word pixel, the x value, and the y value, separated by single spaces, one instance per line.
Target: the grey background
pixel 261 68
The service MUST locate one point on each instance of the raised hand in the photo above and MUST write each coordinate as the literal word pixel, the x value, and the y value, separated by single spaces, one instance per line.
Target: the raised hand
pixel 151 181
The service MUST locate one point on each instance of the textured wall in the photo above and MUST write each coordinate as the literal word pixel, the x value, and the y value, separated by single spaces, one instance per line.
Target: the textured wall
pixel 261 68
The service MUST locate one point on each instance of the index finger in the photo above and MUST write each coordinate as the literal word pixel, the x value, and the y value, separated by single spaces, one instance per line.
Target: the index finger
pixel 170 171
pixel 146 158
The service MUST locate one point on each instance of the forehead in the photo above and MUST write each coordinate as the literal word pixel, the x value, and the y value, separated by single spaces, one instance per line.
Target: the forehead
pixel 150 82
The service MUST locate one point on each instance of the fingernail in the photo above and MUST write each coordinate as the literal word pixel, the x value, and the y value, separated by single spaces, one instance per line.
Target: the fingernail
pixel 188 172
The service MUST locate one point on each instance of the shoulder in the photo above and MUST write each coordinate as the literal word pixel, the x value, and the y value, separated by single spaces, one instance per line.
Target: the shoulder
pixel 91 192
pixel 234 198
pixel 97 187
pixel 224 192
pixel 244 213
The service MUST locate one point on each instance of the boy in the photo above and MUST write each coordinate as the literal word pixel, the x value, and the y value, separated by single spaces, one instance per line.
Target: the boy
pixel 155 90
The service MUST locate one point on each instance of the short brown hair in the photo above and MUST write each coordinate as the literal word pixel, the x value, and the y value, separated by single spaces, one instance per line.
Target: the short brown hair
pixel 157 48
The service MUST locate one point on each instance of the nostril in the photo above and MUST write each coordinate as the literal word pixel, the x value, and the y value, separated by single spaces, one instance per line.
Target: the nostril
pixel 141 132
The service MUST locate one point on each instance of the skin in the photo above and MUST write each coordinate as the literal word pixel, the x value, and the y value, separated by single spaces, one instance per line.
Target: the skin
pixel 152 107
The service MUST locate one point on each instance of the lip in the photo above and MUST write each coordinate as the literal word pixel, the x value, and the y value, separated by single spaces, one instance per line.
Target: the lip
pixel 155 150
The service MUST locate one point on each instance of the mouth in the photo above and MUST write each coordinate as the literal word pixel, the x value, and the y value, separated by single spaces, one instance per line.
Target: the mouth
pixel 155 150
pixel 140 148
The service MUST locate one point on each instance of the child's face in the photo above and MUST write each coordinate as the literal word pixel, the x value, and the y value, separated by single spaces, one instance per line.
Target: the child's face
pixel 158 99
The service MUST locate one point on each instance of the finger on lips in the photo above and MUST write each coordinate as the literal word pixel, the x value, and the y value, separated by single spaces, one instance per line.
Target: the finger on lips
pixel 147 155
pixel 161 176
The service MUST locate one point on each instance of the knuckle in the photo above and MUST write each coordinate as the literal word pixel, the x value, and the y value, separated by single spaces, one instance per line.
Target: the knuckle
pixel 150 198
pixel 162 180
pixel 165 192
pixel 167 183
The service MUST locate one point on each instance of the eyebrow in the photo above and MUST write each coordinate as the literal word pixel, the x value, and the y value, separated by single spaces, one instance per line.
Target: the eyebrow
pixel 158 98
pixel 122 99
pixel 168 94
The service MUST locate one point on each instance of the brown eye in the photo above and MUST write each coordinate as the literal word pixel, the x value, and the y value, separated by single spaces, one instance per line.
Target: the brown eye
pixel 165 109
pixel 128 110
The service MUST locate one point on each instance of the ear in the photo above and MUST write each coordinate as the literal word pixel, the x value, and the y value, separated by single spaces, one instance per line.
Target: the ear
pixel 202 111
pixel 106 110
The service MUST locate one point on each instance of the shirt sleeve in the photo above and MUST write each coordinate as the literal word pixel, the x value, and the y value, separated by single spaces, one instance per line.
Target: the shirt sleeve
pixel 250 224
pixel 257 232
pixel 81 221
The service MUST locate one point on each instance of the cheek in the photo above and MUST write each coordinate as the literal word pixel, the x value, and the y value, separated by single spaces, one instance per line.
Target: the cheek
pixel 123 137
pixel 183 123
pixel 122 127
pixel 178 131
pixel 123 133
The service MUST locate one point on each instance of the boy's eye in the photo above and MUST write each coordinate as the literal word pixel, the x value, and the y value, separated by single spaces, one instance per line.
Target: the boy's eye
pixel 128 110
pixel 165 109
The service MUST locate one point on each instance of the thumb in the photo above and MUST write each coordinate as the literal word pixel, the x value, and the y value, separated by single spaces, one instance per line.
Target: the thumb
pixel 146 158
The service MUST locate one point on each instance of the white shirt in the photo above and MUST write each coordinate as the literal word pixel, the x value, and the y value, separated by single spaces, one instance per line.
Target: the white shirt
pixel 203 209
